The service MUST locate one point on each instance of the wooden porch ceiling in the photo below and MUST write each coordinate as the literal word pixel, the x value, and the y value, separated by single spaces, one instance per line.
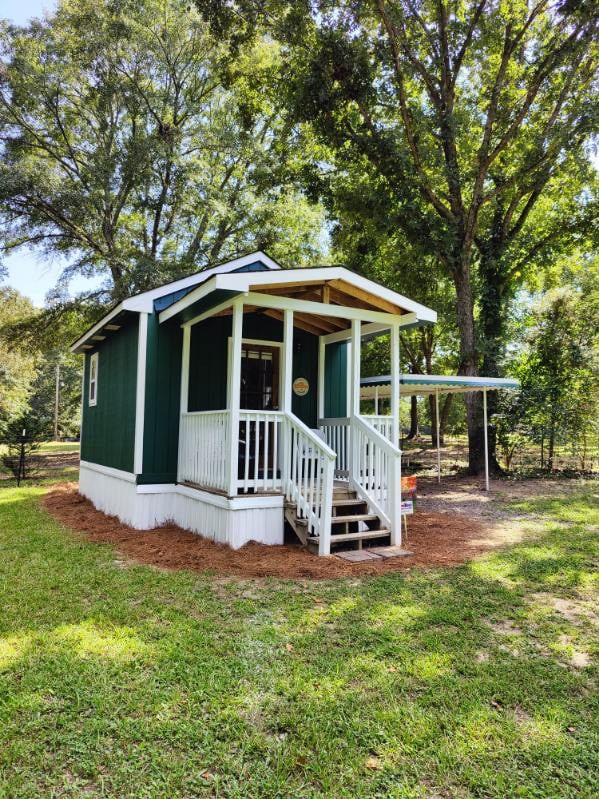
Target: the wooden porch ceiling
pixel 333 292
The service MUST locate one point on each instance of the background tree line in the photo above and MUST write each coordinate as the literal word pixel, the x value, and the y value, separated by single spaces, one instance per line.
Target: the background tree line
pixel 442 148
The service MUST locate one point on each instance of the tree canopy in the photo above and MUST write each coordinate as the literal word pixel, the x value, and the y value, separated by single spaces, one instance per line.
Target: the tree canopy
pixel 134 146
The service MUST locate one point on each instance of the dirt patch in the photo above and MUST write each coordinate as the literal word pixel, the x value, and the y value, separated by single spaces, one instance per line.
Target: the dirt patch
pixel 436 539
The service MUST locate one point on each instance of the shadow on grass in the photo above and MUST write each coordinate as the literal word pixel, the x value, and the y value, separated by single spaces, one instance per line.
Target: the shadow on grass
pixel 123 681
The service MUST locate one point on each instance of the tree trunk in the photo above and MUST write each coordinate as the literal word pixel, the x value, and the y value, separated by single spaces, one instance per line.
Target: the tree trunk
pixel 468 364
pixel 445 414
pixel 492 305
pixel 413 432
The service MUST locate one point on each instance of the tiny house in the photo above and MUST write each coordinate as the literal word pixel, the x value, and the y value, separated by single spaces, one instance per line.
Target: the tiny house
pixel 228 402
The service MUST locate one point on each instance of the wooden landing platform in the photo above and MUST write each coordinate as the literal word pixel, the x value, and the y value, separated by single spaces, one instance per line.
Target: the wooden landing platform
pixel 374 553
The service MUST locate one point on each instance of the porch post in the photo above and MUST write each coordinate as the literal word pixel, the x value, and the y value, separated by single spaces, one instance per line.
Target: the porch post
pixel 321 376
pixel 438 425
pixel 287 367
pixel 356 344
pixel 395 385
pixel 486 439
pixel 395 488
pixel 235 388
pixel 376 400
pixel 286 373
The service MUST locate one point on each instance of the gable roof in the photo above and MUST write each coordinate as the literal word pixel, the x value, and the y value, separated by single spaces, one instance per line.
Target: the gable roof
pixel 145 301
pixel 244 282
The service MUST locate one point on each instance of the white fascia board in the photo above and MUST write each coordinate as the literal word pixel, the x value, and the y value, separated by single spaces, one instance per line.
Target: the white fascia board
pixel 144 302
pixel 98 326
pixel 243 281
pixel 200 277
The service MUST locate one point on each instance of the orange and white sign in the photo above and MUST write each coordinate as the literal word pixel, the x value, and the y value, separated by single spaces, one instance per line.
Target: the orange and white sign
pixel 301 386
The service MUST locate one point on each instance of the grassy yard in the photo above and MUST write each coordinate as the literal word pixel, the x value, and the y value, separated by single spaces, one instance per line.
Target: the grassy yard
pixel 121 681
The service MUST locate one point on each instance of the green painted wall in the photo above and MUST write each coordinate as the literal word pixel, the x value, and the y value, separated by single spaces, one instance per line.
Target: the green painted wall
pixel 208 364
pixel 305 364
pixel 335 376
pixel 108 428
pixel 163 384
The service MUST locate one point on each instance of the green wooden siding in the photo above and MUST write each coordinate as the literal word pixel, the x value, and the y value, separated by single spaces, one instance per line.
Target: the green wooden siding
pixel 305 364
pixel 335 378
pixel 208 364
pixel 163 385
pixel 108 428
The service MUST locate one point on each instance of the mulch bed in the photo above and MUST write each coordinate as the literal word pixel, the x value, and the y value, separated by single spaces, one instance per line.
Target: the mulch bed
pixel 436 539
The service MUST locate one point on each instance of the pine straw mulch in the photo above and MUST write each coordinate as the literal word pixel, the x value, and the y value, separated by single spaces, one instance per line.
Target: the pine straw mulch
pixel 436 539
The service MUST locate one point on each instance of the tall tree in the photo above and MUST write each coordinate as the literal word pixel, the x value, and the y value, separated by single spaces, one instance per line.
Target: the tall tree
pixel 17 363
pixel 473 114
pixel 132 144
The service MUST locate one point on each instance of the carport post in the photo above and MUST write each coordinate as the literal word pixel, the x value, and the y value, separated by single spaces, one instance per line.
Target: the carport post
pixel 438 435
pixel 486 439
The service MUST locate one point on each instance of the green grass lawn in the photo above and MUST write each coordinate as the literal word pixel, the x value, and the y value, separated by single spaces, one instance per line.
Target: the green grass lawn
pixel 123 681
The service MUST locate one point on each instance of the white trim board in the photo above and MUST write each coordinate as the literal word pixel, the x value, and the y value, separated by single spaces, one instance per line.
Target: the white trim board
pixel 140 393
pixel 109 471
pixel 250 501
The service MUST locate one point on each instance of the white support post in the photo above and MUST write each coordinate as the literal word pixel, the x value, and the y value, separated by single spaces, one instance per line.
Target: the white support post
pixel 486 439
pixel 395 439
pixel 376 400
pixel 287 380
pixel 287 360
pixel 356 344
pixel 395 385
pixel 235 390
pixel 321 375
pixel 438 426
pixel 140 394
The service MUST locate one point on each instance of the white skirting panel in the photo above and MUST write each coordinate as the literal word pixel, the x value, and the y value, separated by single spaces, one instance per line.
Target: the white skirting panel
pixel 228 521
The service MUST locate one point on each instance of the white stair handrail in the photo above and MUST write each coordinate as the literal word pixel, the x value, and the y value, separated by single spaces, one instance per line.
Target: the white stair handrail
pixel 308 477
pixel 375 473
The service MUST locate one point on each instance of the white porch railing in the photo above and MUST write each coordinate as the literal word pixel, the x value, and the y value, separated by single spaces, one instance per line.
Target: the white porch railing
pixel 371 463
pixel 382 424
pixel 375 473
pixel 336 433
pixel 308 477
pixel 259 467
pixel 203 438
pixel 278 452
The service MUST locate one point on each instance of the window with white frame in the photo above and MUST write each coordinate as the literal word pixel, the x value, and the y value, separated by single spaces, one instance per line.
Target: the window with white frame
pixel 93 379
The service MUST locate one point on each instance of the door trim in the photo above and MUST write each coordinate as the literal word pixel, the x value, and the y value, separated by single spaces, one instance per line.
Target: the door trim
pixel 258 341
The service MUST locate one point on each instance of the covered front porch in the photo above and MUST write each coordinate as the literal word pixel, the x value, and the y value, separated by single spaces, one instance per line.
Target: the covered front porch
pixel 270 397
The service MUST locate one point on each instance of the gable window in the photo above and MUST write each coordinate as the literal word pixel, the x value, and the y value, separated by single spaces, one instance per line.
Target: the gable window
pixel 93 379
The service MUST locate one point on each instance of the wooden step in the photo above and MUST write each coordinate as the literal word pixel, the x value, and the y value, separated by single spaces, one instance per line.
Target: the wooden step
pixel 354 517
pixel 343 502
pixel 335 539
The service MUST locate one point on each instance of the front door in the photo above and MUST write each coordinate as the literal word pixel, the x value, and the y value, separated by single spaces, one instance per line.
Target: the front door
pixel 259 392
pixel 259 378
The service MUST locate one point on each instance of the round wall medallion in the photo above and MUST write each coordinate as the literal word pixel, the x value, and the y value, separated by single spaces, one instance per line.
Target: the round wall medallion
pixel 301 386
